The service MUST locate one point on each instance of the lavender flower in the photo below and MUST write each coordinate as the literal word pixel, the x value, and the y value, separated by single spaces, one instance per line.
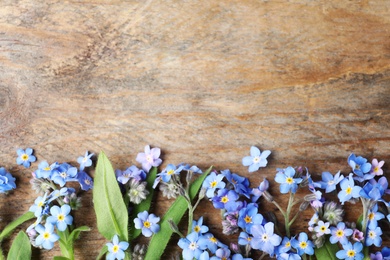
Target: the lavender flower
pixel 149 158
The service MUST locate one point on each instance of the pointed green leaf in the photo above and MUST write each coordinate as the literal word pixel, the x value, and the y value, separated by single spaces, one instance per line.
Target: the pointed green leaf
pixel 21 248
pixel 14 224
pixel 60 258
pixel 111 212
pixel 76 233
pixel 327 251
pixel 145 205
pixel 175 212
pixel 103 251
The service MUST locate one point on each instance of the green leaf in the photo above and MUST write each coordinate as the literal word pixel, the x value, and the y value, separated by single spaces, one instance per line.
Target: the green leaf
pixel 160 240
pixel 103 251
pixel 21 248
pixel 14 224
pixel 327 251
pixel 111 212
pixel 76 233
pixel 60 258
pixel 144 205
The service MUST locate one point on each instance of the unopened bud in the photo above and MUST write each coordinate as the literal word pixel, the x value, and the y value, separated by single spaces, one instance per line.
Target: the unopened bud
pixel 304 205
pixel 173 226
pixel 202 193
pixel 268 196
pixel 235 248
pixel 189 177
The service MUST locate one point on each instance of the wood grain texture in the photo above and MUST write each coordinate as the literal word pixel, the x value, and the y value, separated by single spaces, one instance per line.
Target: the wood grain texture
pixel 309 80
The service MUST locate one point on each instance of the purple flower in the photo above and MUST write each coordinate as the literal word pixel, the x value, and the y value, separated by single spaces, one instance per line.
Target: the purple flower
pixel 148 223
pixel 130 173
pixel 376 167
pixel 287 180
pixel 150 158
pixel 264 238
pixel 258 192
pixel 256 160
pixel 227 199
pixel 25 157
pixel 357 235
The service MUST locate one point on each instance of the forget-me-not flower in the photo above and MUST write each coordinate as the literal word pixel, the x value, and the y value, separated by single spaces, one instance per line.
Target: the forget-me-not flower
pixel 374 216
pixel 360 167
pixel 248 216
pixel 45 170
pixel 374 237
pixel 210 242
pixel 64 173
pixel 151 157
pixel 287 180
pixel 322 228
pixel 7 181
pixel 85 161
pixel 38 206
pixel 116 249
pixel 351 252
pixel 240 184
pixel 340 234
pixel 256 160
pixel 46 237
pixel 264 238
pixel 376 167
pixel 60 217
pixel 170 170
pixel 303 245
pixel 147 223
pixel 348 190
pixel 190 246
pixel 329 181
pixel 213 182
pixel 227 199
pixel 258 192
pixel 198 227
pixel 25 157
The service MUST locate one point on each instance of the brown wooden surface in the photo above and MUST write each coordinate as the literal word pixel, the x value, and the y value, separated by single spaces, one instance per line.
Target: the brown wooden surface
pixel 203 80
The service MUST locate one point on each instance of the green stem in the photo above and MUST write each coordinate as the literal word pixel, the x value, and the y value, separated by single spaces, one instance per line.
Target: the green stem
pixel 287 215
pixel 1 254
pixel 293 219
pixel 279 207
pixel 365 215
pixel 190 216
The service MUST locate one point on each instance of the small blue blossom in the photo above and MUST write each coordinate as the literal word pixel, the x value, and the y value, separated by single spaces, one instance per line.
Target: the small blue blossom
pixel 64 173
pixel 239 257
pixel 33 225
pixel 348 190
pixel 213 182
pixel 85 161
pixel 148 223
pixel 340 234
pixel 285 246
pixel 85 180
pixel 264 238
pixel 287 180
pixel 256 160
pixel 7 181
pixel 25 157
pixel 374 190
pixel 210 242
pixel 204 256
pixel 221 254
pixel 258 192
pixel 244 239
pixel 60 217
pixel 39 205
pixel 193 168
pixel 240 184
pixel 289 256
pixel 227 199
pixel 170 170
pixel 248 217
pixel 130 173
pixel 360 167
pixel 116 249
pixel 351 252
pixel 322 228
pixel 329 181
pixel 190 246
pixel 303 245
pixel 197 226
pixel 374 216
pixel 150 158
pixel 45 170
pixel 57 193
pixel 46 237
pixel 374 237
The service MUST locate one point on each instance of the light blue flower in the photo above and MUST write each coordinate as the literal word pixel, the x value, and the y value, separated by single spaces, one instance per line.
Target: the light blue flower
pixel 212 183
pixel 130 173
pixel 322 228
pixel 7 181
pixel 256 160
pixel 46 237
pixel 284 247
pixel 348 190
pixel 45 170
pixel 303 245
pixel 221 254
pixel 258 192
pixel 351 252
pixel 248 216
pixel 25 157
pixel 340 233
pixel 64 173
pixel 170 170
pixel 239 257
pixel 329 181
pixel 147 223
pixel 374 216
pixel 197 226
pixel 374 237
pixel 287 180
pixel 374 190
pixel 264 238
pixel 116 249
pixel 190 246
pixel 210 242
pixel 85 161
pixel 244 239
pixel 39 205
pixel 227 199
pixel 360 167
pixel 289 256
pixel 60 217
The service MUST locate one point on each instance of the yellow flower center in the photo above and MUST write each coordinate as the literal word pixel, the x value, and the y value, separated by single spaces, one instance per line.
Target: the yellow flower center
pixel 288 244
pixel 323 228
pixel 196 229
pixel 289 180
pixel 340 233
pixel 213 184
pixel 376 169
pixel 46 235
pixel 348 190
pixel 147 224
pixel 24 157
pixel 371 216
pixel 40 204
pixel 47 168
pixel 248 219
pixel 213 239
pixel 85 159
pixel 350 253
pixel 303 245
pixel 60 217
pixel 115 248
pixel 170 172
pixel 224 199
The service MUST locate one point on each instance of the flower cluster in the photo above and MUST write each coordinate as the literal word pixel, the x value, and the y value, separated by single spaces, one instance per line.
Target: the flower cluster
pixel 7 181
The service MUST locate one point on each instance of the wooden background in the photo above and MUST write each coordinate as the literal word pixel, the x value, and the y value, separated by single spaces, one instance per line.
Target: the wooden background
pixel 203 80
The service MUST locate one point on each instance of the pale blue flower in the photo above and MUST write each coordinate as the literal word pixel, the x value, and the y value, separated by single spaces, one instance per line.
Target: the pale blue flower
pixel 303 245
pixel 374 237
pixel 256 160
pixel 25 157
pixel 7 181
pixel 147 223
pixel 322 228
pixel 46 237
pixel 348 190
pixel 340 234
pixel 85 161
pixel 287 180
pixel 360 167
pixel 212 183
pixel 197 226
pixel 116 249
pixel 190 246
pixel 60 217
pixel 351 252
pixel 64 173
pixel 264 238
pixel 329 181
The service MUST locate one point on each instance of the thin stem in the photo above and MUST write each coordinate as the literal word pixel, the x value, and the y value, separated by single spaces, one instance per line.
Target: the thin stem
pixel 262 255
pixel 294 218
pixel 190 216
pixel 280 208
pixel 197 203
pixel 287 215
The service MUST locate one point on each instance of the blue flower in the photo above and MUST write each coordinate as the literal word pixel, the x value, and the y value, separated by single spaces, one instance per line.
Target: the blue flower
pixel 340 233
pixel 329 182
pixel 130 173
pixel 360 167
pixel 239 257
pixel 64 173
pixel 374 216
pixel 7 181
pixel 39 205
pixel 374 190
pixel 150 158
pixel 256 160
pixel 289 256
pixel 285 246
pixel 148 223
pixel 190 246
pixel 258 192
pixel 374 237
pixel 348 190
pixel 221 254
pixel 116 249
pixel 322 228
pixel 197 226
pixel 85 180
pixel 208 241
pixel 244 239
pixel 240 184
pixel 351 252
pixel 58 193
pixel 46 237
pixel 45 170
pixel 171 169
pixel 213 182
pixel 25 157
pixel 85 161
pixel 303 245
pixel 248 217
pixel 60 217
pixel 193 168
pixel 287 180
pixel 227 199
pixel 264 238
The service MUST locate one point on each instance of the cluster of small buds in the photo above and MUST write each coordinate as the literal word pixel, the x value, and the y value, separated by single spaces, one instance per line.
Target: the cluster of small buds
pixel 139 252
